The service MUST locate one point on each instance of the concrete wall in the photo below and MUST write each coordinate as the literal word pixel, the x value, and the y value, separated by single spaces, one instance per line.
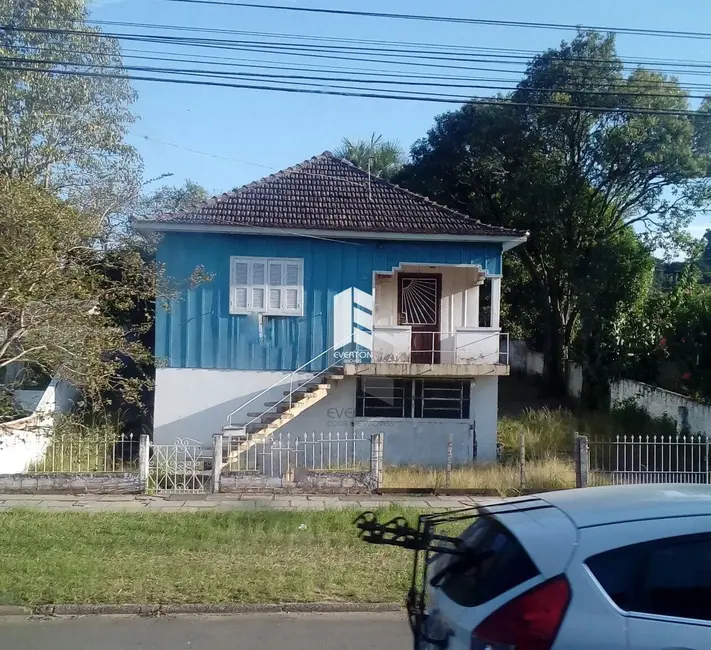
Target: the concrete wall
pixel 23 442
pixel 420 441
pixel 485 413
pixel 306 482
pixel 408 441
pixel 70 484
pixel 688 414
pixel 195 403
pixel 525 360
pixel 575 380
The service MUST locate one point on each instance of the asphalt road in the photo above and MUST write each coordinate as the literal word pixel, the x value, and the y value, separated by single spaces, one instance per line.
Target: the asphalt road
pixel 241 632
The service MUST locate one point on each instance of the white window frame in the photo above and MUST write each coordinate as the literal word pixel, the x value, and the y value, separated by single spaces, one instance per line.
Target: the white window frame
pixel 266 310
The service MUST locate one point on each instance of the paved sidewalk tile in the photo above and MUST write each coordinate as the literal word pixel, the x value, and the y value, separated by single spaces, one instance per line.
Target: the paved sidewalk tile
pixel 225 502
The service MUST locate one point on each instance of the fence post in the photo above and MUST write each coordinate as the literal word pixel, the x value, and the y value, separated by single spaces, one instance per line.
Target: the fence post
pixel 450 449
pixel 522 457
pixel 144 456
pixel 582 461
pixel 216 462
pixel 376 460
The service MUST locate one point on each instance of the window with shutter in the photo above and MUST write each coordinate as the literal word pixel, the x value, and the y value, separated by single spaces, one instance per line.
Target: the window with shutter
pixel 239 294
pixel 258 283
pixel 292 287
pixel 273 287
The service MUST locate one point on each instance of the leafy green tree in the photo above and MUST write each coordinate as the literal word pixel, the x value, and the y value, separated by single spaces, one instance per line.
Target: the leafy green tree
pixel 383 158
pixel 61 131
pixel 705 262
pixel 53 294
pixel 576 177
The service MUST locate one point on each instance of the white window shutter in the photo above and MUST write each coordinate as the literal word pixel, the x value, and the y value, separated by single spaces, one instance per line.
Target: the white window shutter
pixel 240 273
pixel 258 299
pixel 292 275
pixel 293 287
pixel 275 274
pixel 292 299
pixel 258 272
pixel 239 294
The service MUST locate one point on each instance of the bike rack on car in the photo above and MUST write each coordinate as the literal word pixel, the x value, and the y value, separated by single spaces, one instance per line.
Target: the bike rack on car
pixel 427 544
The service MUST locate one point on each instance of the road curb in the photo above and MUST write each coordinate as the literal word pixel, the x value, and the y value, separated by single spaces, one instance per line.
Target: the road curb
pixel 227 608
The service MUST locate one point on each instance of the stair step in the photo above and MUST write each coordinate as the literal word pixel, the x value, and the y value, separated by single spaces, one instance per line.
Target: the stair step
pixel 257 427
pixel 283 406
pixel 233 428
pixel 262 413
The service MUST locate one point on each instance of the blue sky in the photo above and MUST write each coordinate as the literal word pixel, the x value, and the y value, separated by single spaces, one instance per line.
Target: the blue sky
pixel 275 130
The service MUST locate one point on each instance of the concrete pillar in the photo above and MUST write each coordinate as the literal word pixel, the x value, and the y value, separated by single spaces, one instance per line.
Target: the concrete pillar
pixel 471 317
pixel 216 462
pixel 376 460
pixel 582 461
pixel 496 303
pixel 144 457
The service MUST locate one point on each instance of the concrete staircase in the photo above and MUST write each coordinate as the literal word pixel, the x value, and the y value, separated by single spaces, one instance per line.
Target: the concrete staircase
pixel 259 426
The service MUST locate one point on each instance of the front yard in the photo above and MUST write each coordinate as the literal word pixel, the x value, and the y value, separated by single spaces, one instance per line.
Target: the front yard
pixel 236 557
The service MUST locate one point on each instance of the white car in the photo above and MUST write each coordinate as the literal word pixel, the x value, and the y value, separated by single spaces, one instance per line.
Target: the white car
pixel 609 568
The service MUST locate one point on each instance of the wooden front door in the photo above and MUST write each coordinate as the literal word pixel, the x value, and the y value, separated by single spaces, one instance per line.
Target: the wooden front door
pixel 418 301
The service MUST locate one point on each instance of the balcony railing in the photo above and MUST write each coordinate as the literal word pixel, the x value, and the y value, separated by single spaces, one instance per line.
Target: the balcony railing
pixel 465 345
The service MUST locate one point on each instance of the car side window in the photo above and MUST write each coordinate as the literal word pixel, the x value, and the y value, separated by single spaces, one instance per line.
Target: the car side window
pixel 670 577
pixel 617 572
pixel 677 580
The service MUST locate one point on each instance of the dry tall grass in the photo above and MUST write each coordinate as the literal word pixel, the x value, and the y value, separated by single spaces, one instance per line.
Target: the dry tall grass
pixel 505 479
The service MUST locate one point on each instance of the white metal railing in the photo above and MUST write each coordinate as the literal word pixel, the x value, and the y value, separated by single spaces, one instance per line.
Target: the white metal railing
pixel 650 459
pixel 87 453
pixel 185 467
pixel 282 453
pixel 290 378
pixel 464 345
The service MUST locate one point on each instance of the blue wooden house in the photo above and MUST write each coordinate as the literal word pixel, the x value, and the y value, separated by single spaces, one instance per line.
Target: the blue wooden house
pixel 383 302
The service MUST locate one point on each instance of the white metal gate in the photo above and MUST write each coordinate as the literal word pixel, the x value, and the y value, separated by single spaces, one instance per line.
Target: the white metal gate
pixel 185 467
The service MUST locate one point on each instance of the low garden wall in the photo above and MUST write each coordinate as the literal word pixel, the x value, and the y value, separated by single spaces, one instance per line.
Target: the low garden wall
pixel 71 484
pixel 302 481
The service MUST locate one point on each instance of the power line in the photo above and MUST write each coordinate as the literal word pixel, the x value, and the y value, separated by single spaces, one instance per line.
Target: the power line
pixel 255 63
pixel 305 49
pixel 375 94
pixel 310 80
pixel 454 19
pixel 408 44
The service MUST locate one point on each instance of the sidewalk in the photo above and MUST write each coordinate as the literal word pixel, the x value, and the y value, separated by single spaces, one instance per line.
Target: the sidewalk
pixel 199 503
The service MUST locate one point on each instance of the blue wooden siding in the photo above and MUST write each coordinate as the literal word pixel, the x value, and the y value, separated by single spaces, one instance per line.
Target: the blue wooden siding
pixel 197 330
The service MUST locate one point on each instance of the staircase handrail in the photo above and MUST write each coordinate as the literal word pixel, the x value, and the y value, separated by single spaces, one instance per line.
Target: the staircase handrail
pixel 290 378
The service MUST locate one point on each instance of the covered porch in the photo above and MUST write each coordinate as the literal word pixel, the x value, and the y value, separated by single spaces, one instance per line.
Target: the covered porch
pixel 436 319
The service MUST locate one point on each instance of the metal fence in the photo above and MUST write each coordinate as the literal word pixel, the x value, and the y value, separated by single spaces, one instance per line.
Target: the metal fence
pixel 185 467
pixel 282 453
pixel 86 453
pixel 649 459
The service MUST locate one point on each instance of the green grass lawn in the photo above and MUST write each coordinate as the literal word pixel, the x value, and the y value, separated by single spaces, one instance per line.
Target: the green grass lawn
pixel 237 557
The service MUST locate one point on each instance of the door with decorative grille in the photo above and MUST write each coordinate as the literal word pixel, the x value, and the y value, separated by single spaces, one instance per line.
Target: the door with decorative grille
pixel 419 297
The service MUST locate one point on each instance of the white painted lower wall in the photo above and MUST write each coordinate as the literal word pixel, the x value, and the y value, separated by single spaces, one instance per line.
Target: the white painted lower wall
pixel 195 404
pixel 657 402
pixel 687 413
pixel 24 441
pixel 408 441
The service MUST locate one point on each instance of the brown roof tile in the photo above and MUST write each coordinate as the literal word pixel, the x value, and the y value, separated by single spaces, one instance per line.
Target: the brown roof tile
pixel 327 193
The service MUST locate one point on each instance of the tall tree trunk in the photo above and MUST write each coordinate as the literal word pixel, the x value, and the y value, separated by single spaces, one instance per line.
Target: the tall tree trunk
pixel 556 356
